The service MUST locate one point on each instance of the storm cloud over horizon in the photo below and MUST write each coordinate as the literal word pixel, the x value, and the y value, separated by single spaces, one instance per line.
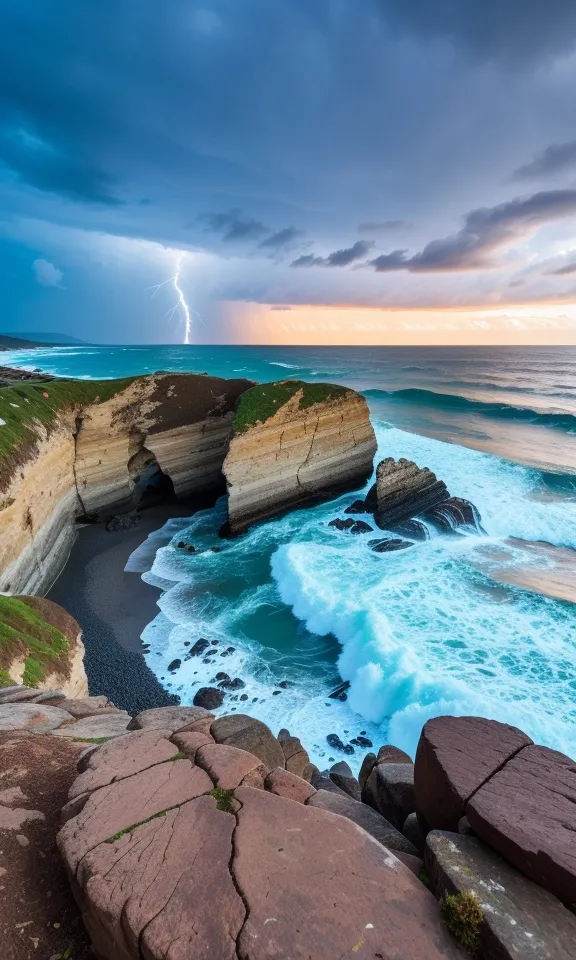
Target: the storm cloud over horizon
pixel 403 153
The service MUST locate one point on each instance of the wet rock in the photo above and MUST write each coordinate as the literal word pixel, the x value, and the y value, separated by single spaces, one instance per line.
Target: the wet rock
pixel 251 735
pixel 340 524
pixel 126 521
pixel 222 677
pixel 236 684
pixel 412 529
pixel 520 919
pixel 174 666
pixel 186 546
pixel 288 785
pixel 361 741
pixel 527 812
pixel 455 756
pixel 336 743
pixel 402 491
pixel 199 647
pixel 455 514
pixel 413 832
pixel 359 506
pixel 209 697
pixel 342 776
pixel 388 545
pixel 368 764
pixel 341 692
pixel 352 526
pixel 170 718
pixel 390 790
pixel 286 684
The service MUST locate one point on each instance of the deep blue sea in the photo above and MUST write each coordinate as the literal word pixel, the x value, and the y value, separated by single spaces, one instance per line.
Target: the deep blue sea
pixel 448 626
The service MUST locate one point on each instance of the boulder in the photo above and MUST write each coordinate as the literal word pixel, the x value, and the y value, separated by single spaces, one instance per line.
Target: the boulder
pixel 412 530
pixel 103 727
pixel 190 742
pixel 334 741
pixel 368 764
pixel 287 859
pixel 520 919
pixel 251 735
pixel 322 782
pixel 342 776
pixel 199 647
pixel 86 707
pixel 358 506
pixel 341 691
pixel 455 756
pixel 32 717
pixel 123 757
pixel 227 766
pixel 296 757
pixel 390 790
pixel 352 526
pixel 389 545
pixel 126 521
pixel 363 816
pixel 172 718
pixel 413 832
pixel 209 698
pixel 391 754
pixel 402 491
pixel 288 785
pixel 527 812
pixel 455 514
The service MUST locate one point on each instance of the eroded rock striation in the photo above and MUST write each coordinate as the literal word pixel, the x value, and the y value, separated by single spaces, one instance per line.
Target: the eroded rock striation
pixel 295 443
pixel 403 490
pixel 73 448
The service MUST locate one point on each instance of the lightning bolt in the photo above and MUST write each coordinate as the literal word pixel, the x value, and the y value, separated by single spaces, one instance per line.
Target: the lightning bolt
pixel 181 304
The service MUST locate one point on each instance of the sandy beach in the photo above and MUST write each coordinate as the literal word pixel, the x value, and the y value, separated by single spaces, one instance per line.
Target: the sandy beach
pixel 113 607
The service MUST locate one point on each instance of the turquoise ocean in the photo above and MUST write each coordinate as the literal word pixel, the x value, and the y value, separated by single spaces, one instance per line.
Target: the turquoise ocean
pixel 417 633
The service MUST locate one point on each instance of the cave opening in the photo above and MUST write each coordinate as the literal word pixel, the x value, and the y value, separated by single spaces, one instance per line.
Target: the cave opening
pixel 151 485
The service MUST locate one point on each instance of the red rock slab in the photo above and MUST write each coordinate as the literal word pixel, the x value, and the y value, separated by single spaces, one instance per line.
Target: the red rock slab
pixel 165 890
pixel 316 886
pixel 172 717
pixel 527 812
pixel 190 743
pixel 288 785
pixel 32 717
pixel 199 726
pixel 131 801
pixel 226 766
pixel 123 757
pixel 455 756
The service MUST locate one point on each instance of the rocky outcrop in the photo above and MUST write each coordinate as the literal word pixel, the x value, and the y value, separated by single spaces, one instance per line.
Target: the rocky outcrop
pixel 86 447
pixel 295 443
pixel 403 490
pixel 40 647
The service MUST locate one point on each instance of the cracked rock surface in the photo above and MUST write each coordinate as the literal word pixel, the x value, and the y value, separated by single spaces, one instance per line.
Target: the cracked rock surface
pixel 172 858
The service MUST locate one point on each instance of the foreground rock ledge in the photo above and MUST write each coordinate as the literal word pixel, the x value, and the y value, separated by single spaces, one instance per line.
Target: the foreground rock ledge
pixel 163 865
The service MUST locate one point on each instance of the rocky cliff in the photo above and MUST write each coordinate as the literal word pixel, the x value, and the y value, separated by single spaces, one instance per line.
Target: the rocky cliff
pixel 294 443
pixel 70 447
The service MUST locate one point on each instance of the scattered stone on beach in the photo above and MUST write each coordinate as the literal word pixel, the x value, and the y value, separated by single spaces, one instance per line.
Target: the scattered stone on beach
pixel 402 491
pixel 251 735
pixel 125 521
pixel 359 506
pixel 455 756
pixel 361 741
pixel 341 691
pixel 174 666
pixel 526 811
pixel 336 743
pixel 173 718
pixel 390 790
pixel 228 651
pixel 388 544
pixel 364 816
pixel 209 697
pixel 519 918
pixel 455 514
pixel 199 647
pixel 236 684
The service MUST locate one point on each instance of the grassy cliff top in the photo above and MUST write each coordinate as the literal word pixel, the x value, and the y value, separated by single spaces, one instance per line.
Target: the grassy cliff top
pixel 26 404
pixel 262 402
pixel 25 635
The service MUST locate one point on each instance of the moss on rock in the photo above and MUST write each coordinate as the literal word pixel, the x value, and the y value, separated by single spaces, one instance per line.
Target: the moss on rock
pixel 26 636
pixel 262 402
pixel 463 915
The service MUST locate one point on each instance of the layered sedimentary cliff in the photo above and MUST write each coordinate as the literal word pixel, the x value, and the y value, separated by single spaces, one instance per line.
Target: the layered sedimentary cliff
pixel 69 448
pixel 295 442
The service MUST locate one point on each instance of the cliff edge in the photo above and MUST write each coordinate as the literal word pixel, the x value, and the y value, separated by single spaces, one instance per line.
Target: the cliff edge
pixel 293 443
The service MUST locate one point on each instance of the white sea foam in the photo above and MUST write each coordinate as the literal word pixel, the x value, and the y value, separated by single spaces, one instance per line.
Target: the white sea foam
pixel 289 366
pixel 420 632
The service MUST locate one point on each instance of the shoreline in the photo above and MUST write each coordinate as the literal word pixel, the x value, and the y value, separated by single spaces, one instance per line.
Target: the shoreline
pixel 113 607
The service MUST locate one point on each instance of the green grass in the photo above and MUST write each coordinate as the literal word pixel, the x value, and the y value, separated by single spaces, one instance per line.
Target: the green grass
pixel 90 739
pixel 223 799
pixel 25 635
pixel 262 402
pixel 133 826
pixel 23 407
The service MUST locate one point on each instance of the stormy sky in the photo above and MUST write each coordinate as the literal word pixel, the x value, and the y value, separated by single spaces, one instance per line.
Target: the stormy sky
pixel 408 155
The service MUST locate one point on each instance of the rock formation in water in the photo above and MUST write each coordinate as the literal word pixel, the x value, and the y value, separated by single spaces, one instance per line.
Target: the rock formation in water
pixel 71 448
pixel 403 490
pixel 295 443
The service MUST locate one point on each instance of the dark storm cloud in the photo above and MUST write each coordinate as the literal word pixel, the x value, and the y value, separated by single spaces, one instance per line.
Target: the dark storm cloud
pixel 557 158
pixel 383 226
pixel 233 225
pixel 339 258
pixel 493 29
pixel 281 238
pixel 484 231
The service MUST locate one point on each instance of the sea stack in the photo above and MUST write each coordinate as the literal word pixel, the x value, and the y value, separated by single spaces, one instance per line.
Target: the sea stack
pixel 403 490
pixel 295 443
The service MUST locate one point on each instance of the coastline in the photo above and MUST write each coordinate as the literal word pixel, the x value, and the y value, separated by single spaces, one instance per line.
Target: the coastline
pixel 113 607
